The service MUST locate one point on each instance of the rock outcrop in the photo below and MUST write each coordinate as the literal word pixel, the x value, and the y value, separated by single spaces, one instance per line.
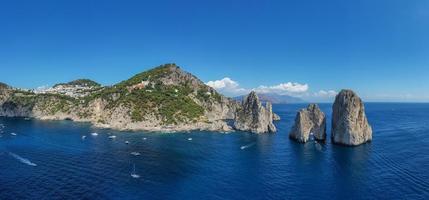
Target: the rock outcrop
pixel 276 117
pixel 252 116
pixel 165 98
pixel 309 121
pixel 349 123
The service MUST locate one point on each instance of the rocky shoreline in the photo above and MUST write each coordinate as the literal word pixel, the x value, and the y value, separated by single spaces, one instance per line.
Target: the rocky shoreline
pixel 164 98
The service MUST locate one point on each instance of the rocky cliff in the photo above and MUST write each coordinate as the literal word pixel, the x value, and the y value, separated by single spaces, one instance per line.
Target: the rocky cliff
pixel 310 120
pixel 165 98
pixel 349 123
pixel 252 116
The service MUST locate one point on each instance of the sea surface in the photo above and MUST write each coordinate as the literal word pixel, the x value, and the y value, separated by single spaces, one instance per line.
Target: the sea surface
pixel 50 160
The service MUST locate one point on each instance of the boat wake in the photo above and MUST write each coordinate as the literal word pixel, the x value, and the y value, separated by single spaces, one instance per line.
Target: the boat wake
pixel 23 160
pixel 247 146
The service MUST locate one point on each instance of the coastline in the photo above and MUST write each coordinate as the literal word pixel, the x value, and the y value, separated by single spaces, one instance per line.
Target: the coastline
pixel 219 126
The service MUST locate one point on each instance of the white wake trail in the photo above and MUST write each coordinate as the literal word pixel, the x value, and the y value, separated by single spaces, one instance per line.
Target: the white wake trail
pixel 247 146
pixel 23 160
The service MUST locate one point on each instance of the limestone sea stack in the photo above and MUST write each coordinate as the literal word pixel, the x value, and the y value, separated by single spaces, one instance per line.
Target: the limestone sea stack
pixel 349 123
pixel 276 117
pixel 253 117
pixel 310 120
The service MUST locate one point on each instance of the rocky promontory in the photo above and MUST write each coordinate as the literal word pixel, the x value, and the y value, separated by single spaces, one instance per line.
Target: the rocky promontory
pixel 252 116
pixel 164 98
pixel 349 123
pixel 309 121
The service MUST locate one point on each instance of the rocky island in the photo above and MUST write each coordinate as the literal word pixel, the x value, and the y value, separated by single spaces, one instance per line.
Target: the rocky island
pixel 252 116
pixel 350 126
pixel 349 123
pixel 309 121
pixel 165 98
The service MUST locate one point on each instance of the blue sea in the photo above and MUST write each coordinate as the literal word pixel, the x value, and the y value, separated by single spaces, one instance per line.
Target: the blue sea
pixel 50 160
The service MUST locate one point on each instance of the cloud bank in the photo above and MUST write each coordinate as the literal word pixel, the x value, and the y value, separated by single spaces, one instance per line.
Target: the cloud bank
pixel 229 87
pixel 288 88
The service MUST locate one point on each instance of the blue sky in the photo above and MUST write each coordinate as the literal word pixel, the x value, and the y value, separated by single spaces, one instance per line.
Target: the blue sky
pixel 302 48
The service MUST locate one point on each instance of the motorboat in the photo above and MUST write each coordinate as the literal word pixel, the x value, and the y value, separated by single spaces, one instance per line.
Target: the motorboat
pixel 133 173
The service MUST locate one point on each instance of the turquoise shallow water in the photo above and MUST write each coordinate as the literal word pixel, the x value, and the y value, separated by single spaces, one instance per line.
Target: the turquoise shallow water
pixel 49 160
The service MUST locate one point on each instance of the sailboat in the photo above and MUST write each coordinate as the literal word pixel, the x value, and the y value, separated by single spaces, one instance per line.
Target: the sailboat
pixel 133 174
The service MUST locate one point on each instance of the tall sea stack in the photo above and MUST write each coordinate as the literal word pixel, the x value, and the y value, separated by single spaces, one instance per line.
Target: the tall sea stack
pixel 253 117
pixel 349 123
pixel 310 120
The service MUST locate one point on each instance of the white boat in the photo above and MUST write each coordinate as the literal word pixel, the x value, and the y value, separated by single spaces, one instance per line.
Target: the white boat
pixel 83 137
pixel 112 137
pixel 126 142
pixel 144 138
pixel 94 134
pixel 14 134
pixel 189 139
pixel 134 153
pixel 134 174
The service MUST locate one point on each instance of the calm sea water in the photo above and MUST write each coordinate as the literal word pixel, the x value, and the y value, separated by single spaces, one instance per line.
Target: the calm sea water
pixel 49 160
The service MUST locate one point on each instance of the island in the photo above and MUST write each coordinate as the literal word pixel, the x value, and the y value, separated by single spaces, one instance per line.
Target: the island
pixel 165 98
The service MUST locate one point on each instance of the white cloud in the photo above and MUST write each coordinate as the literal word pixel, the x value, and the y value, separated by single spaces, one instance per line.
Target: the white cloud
pixel 227 86
pixel 324 93
pixel 288 88
pixel 230 87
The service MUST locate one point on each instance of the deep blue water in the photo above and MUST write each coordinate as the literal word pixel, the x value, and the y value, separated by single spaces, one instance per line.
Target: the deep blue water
pixel 213 165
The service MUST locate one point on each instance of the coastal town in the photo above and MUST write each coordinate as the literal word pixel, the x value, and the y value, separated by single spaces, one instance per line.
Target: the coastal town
pixel 76 89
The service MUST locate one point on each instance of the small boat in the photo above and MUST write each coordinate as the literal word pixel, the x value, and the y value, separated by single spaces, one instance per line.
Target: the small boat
pixel 134 153
pixel 94 134
pixel 134 174
pixel 14 134
pixel 112 137
pixel 27 118
pixel 144 138
pixel 126 142
pixel 83 137
pixel 189 139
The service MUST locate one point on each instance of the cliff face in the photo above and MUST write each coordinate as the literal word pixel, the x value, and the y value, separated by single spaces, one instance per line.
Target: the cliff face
pixel 252 116
pixel 310 120
pixel 164 98
pixel 349 123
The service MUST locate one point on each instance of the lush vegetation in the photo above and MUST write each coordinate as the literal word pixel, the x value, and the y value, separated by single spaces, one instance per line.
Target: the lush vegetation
pixel 50 103
pixel 80 82
pixel 144 95
pixel 153 74
pixel 172 104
